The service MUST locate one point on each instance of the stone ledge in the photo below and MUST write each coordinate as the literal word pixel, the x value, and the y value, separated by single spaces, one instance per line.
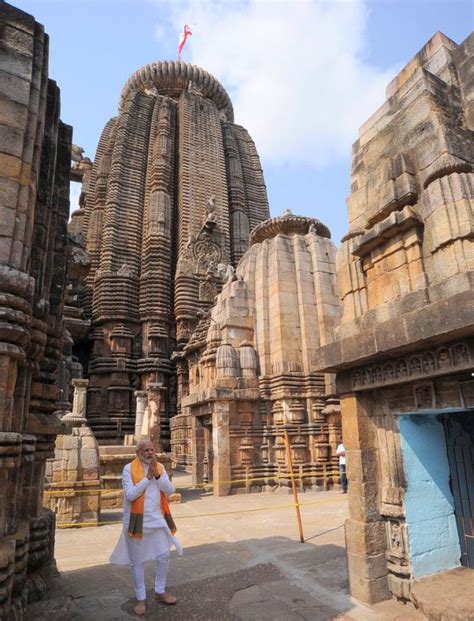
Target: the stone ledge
pixel 439 321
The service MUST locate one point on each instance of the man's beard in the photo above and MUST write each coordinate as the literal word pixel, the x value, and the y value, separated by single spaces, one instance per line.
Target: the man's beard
pixel 147 460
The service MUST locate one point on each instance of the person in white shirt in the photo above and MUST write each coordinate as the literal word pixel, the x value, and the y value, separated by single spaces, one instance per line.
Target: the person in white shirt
pixel 341 452
pixel 148 528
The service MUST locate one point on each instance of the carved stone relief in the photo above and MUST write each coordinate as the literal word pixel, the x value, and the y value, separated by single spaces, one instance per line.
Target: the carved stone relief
pixel 429 363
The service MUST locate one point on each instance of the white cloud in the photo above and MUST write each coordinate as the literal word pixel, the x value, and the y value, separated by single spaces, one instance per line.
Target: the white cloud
pixel 295 71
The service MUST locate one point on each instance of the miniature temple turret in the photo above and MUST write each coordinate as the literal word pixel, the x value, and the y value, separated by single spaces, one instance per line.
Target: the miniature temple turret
pixel 174 191
pixel 251 373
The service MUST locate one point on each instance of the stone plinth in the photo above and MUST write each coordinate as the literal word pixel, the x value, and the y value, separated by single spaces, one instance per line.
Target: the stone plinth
pixel 72 488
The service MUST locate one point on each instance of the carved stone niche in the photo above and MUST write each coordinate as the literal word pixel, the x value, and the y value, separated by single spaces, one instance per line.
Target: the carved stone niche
pixel 424 396
pixel 158 339
pixel 280 451
pixel 277 412
pixel 299 449
pixel 296 412
pixel 396 540
pixel 245 417
pixel 321 447
pixel 245 451
pixel 416 366
pixel 121 340
pixel 317 412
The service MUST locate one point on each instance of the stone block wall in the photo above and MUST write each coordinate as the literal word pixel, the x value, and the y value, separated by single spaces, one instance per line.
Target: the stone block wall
pixel 405 271
pixel 34 207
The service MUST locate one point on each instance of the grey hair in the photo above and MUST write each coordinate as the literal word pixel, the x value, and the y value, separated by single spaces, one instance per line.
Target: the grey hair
pixel 142 443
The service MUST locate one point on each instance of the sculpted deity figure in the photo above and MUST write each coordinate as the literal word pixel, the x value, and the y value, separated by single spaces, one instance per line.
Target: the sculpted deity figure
pixel 76 153
pixel 211 210
pixel 226 272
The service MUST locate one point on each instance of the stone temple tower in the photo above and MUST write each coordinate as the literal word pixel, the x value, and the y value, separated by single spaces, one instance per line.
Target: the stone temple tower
pixel 174 191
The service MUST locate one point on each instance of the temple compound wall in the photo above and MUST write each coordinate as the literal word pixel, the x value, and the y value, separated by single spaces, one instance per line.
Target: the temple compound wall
pixel 404 352
pixel 173 192
pixel 250 367
pixel 34 207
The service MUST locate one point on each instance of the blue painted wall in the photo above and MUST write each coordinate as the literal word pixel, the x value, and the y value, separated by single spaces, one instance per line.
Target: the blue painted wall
pixel 429 505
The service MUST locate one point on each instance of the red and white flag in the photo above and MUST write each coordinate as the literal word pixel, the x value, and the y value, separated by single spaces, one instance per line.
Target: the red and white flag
pixel 182 38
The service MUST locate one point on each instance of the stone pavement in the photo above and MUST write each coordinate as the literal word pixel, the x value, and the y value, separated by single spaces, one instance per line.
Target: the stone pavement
pixel 245 563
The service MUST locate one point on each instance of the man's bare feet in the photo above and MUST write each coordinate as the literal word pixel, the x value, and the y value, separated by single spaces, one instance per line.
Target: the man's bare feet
pixel 140 608
pixel 166 598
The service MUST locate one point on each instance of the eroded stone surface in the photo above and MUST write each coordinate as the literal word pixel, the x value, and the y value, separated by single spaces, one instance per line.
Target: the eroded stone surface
pixel 34 207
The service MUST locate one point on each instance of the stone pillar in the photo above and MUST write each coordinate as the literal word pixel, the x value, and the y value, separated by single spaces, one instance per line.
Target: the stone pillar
pixel 221 448
pixel 151 420
pixel 80 397
pixel 72 479
pixel 141 397
pixel 365 528
pixel 197 448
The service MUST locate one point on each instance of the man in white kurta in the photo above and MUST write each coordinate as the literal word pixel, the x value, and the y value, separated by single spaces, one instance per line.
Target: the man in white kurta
pixel 157 538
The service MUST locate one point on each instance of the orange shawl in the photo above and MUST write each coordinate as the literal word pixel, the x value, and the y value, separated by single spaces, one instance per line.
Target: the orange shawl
pixel 135 526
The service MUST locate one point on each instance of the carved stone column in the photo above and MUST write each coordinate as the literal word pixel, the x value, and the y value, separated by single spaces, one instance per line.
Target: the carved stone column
pixel 151 421
pixel 80 397
pixel 141 397
pixel 365 528
pixel 221 448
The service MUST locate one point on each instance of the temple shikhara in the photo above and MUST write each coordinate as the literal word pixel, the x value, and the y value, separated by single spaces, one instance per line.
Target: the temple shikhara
pixel 172 306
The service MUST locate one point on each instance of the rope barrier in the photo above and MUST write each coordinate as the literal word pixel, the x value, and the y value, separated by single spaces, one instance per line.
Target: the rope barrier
pixel 266 478
pixel 205 515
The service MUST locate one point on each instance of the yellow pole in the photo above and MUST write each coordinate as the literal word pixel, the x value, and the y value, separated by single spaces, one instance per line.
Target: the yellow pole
pixel 293 485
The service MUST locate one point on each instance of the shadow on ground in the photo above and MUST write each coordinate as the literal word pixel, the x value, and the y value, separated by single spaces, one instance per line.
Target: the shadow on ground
pixel 266 579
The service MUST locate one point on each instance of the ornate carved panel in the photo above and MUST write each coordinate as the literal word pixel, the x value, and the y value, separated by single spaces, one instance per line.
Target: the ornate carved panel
pixel 426 364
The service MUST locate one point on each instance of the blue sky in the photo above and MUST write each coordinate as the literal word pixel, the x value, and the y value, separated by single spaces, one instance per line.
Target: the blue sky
pixel 303 75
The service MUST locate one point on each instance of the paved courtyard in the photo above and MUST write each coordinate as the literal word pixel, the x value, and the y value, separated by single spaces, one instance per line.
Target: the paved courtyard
pixel 243 560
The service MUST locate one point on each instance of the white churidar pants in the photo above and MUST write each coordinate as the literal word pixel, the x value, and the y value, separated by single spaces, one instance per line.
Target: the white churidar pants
pixel 162 562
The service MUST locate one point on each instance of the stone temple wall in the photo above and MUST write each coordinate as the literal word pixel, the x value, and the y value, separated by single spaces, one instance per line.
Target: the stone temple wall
pixel 34 206
pixel 405 343
pixel 250 367
pixel 174 190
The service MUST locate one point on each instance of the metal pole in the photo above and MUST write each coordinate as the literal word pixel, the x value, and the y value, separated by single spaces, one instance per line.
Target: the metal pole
pixel 293 485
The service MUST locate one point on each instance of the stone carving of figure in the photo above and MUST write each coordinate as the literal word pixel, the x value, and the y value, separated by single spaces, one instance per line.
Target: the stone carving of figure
pixel 388 372
pixel 226 272
pixel 401 369
pixel 76 153
pixel 194 89
pixel 460 354
pixel 444 359
pixel 211 216
pixel 125 270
